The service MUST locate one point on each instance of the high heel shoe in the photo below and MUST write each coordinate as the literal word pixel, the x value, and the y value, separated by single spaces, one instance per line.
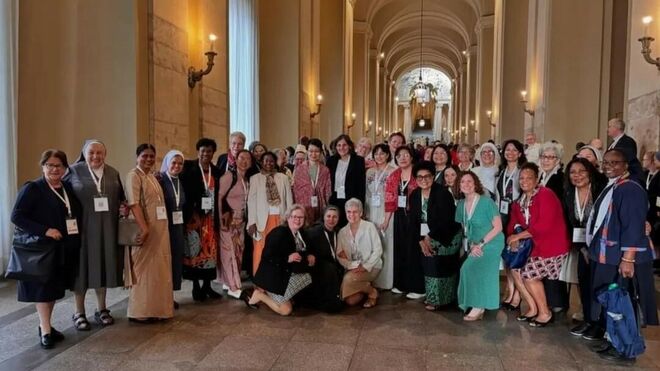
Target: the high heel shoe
pixel 535 323
pixel 478 317
pixel 524 318
pixel 198 294
pixel 246 296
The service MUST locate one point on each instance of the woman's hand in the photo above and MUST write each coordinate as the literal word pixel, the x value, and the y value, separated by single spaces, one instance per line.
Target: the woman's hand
pixel 476 251
pixel 252 230
pixel 648 229
pixel 311 260
pixel 383 226
pixel 360 269
pixel 295 258
pixel 54 234
pixel 142 237
pixel 426 248
pixel 626 269
pixel 124 210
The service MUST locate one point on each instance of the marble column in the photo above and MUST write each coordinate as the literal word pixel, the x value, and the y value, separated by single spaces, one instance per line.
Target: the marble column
pixel 373 94
pixel 361 38
pixel 538 53
pixel 484 30
pixel 407 121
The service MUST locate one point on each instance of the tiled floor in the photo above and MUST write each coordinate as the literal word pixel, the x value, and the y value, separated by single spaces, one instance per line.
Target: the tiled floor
pixel 225 334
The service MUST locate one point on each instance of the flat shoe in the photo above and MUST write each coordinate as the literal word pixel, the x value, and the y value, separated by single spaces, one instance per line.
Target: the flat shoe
pixel 535 323
pixel 54 334
pixel 46 341
pixel 246 296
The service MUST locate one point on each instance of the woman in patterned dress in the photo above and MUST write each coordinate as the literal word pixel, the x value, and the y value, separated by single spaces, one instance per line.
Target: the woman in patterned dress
pixel 311 183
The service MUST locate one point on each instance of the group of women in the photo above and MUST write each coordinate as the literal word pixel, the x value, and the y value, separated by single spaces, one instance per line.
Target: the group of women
pixel 333 230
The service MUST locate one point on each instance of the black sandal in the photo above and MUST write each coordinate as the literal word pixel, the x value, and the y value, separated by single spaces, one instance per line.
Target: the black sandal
pixel 104 318
pixel 80 322
pixel 246 296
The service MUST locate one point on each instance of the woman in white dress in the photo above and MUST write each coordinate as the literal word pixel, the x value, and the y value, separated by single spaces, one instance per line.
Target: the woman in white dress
pixel 375 211
pixel 489 161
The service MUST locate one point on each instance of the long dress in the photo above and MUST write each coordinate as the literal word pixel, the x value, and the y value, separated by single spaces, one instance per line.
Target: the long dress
pixel 308 183
pixel 177 231
pixel 149 267
pixel 479 285
pixel 232 237
pixel 101 259
pixel 374 211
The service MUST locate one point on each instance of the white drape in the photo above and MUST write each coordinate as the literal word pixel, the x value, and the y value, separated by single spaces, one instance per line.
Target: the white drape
pixel 244 68
pixel 8 116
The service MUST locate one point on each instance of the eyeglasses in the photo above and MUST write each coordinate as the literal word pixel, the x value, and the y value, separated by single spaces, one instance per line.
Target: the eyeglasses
pixel 487 152
pixel 53 166
pixel 612 163
pixel 424 177
pixel 297 217
pixel 546 157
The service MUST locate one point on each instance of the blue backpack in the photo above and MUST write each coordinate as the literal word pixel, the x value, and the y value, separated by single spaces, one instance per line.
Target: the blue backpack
pixel 623 328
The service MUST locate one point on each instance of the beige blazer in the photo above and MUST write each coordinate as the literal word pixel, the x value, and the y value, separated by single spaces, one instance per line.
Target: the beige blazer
pixel 258 208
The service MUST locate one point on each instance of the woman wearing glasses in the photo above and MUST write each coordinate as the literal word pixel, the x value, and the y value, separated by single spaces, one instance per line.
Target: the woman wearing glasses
pixel 489 160
pixel 437 235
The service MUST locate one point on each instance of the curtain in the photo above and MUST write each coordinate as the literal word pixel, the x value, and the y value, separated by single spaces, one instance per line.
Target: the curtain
pixel 8 126
pixel 244 68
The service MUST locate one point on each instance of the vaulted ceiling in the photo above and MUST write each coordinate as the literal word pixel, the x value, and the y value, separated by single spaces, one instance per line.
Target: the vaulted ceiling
pixel 448 30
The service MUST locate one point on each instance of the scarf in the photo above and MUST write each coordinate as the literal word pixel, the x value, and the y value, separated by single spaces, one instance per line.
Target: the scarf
pixel 272 194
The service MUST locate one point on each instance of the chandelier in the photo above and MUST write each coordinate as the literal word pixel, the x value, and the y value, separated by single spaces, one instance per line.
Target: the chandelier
pixel 421 90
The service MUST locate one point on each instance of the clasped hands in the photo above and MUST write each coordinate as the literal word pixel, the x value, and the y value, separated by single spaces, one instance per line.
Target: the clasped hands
pixel 297 258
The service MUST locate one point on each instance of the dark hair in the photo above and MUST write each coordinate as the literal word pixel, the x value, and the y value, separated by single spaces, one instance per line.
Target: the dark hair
pixel 316 143
pixel 455 189
pixel 579 145
pixel 407 149
pixel 291 151
pixel 618 152
pixel 256 144
pixel 443 147
pixel 304 140
pixel 478 187
pixel 397 134
pixel 423 165
pixel 143 147
pixel 347 139
pixel 591 169
pixel 530 166
pixel 54 153
pixel 245 151
pixel 383 147
pixel 519 146
pixel 206 142
pixel 271 154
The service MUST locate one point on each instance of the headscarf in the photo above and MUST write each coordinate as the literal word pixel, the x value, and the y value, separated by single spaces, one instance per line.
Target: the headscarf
pixel 496 153
pixel 168 159
pixel 86 145
pixel 599 156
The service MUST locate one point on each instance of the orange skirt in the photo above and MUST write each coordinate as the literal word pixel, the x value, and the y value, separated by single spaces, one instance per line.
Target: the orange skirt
pixel 258 246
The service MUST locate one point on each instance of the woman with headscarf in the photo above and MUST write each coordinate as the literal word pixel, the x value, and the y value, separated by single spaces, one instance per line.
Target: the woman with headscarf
pixel 489 160
pixel 592 154
pixel 148 267
pixel 98 187
pixel 175 198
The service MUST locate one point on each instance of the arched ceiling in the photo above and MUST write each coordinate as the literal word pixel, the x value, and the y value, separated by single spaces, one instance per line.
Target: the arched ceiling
pixel 449 29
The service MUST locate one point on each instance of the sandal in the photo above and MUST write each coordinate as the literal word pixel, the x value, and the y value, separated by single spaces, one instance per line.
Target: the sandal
pixel 80 322
pixel 104 318
pixel 371 300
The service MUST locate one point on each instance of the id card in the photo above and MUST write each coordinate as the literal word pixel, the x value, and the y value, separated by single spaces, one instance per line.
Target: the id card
pixel 657 201
pixel 424 229
pixel 71 226
pixel 207 203
pixel 579 235
pixel 341 193
pixel 402 201
pixel 177 217
pixel 101 204
pixel 504 207
pixel 273 210
pixel 161 213
pixel 466 248
pixel 314 201
pixel 375 200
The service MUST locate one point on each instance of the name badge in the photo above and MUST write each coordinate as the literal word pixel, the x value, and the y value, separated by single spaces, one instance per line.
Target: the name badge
pixel 580 235
pixel 424 229
pixel 504 207
pixel 466 248
pixel 71 226
pixel 207 203
pixel 341 193
pixel 101 204
pixel 657 201
pixel 161 213
pixel 314 201
pixel 402 201
pixel 375 200
pixel 177 217
pixel 273 210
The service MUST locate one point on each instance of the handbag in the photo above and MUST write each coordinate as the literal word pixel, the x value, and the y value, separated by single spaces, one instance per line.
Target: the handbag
pixel 33 258
pixel 517 259
pixel 128 231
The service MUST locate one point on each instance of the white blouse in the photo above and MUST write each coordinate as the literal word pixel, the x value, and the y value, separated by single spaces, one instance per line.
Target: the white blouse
pixel 365 249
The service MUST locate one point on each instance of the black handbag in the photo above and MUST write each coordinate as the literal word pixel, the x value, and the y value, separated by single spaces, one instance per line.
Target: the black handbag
pixel 33 258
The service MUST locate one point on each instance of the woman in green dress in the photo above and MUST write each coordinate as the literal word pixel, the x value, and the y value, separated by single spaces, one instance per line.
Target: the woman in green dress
pixel 479 286
pixel 435 232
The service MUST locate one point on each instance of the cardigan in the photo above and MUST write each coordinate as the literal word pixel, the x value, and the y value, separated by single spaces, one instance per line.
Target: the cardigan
pixel 365 249
pixel 257 205
pixel 439 215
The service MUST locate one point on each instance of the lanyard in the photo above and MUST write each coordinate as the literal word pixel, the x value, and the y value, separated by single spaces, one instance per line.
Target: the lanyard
pixel 299 240
pixel 524 203
pixel 332 247
pixel 154 185
pixel 207 183
pixel 403 185
pixel 579 209
pixel 340 173
pixel 64 199
pixel 467 214
pixel 378 178
pixel 649 178
pixel 177 193
pixel 245 191
pixel 508 179
pixel 315 181
pixel 97 182
pixel 545 177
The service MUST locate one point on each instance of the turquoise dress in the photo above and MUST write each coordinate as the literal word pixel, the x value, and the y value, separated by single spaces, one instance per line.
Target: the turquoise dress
pixel 479 285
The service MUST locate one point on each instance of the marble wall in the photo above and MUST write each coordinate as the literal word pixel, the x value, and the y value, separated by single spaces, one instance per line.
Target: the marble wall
pixel 643 122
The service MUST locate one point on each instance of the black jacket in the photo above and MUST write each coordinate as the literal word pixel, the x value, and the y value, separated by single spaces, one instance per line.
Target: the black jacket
pixel 356 177
pixel 440 215
pixel 274 269
pixel 221 164
pixel 193 186
pixel 556 183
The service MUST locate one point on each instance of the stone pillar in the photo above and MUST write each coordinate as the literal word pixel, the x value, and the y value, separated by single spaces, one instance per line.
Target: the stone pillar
pixel 462 90
pixel 361 39
pixel 373 94
pixel 472 92
pixel 484 29
pixel 538 43
pixel 348 63
pixel 407 121
pixel 331 69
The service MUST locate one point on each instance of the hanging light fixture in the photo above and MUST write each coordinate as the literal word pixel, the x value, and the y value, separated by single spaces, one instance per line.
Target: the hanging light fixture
pixel 422 122
pixel 421 91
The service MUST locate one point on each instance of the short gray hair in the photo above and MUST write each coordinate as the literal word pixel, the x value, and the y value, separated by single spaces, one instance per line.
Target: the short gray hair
pixel 239 135
pixel 557 148
pixel 620 124
pixel 354 202
pixel 290 211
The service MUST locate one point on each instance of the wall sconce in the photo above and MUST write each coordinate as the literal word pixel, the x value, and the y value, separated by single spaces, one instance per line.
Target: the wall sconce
pixel 382 55
pixel 646 43
pixel 369 123
pixel 489 114
pixel 387 132
pixel 194 76
pixel 523 94
pixel 352 122
pixel 319 99
pixel 378 130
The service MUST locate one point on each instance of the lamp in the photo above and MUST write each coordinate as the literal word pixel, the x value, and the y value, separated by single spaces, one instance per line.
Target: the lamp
pixel 352 122
pixel 421 123
pixel 523 94
pixel 194 76
pixel 646 41
pixel 368 127
pixel 420 89
pixel 489 114
pixel 319 99
pixel 378 130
